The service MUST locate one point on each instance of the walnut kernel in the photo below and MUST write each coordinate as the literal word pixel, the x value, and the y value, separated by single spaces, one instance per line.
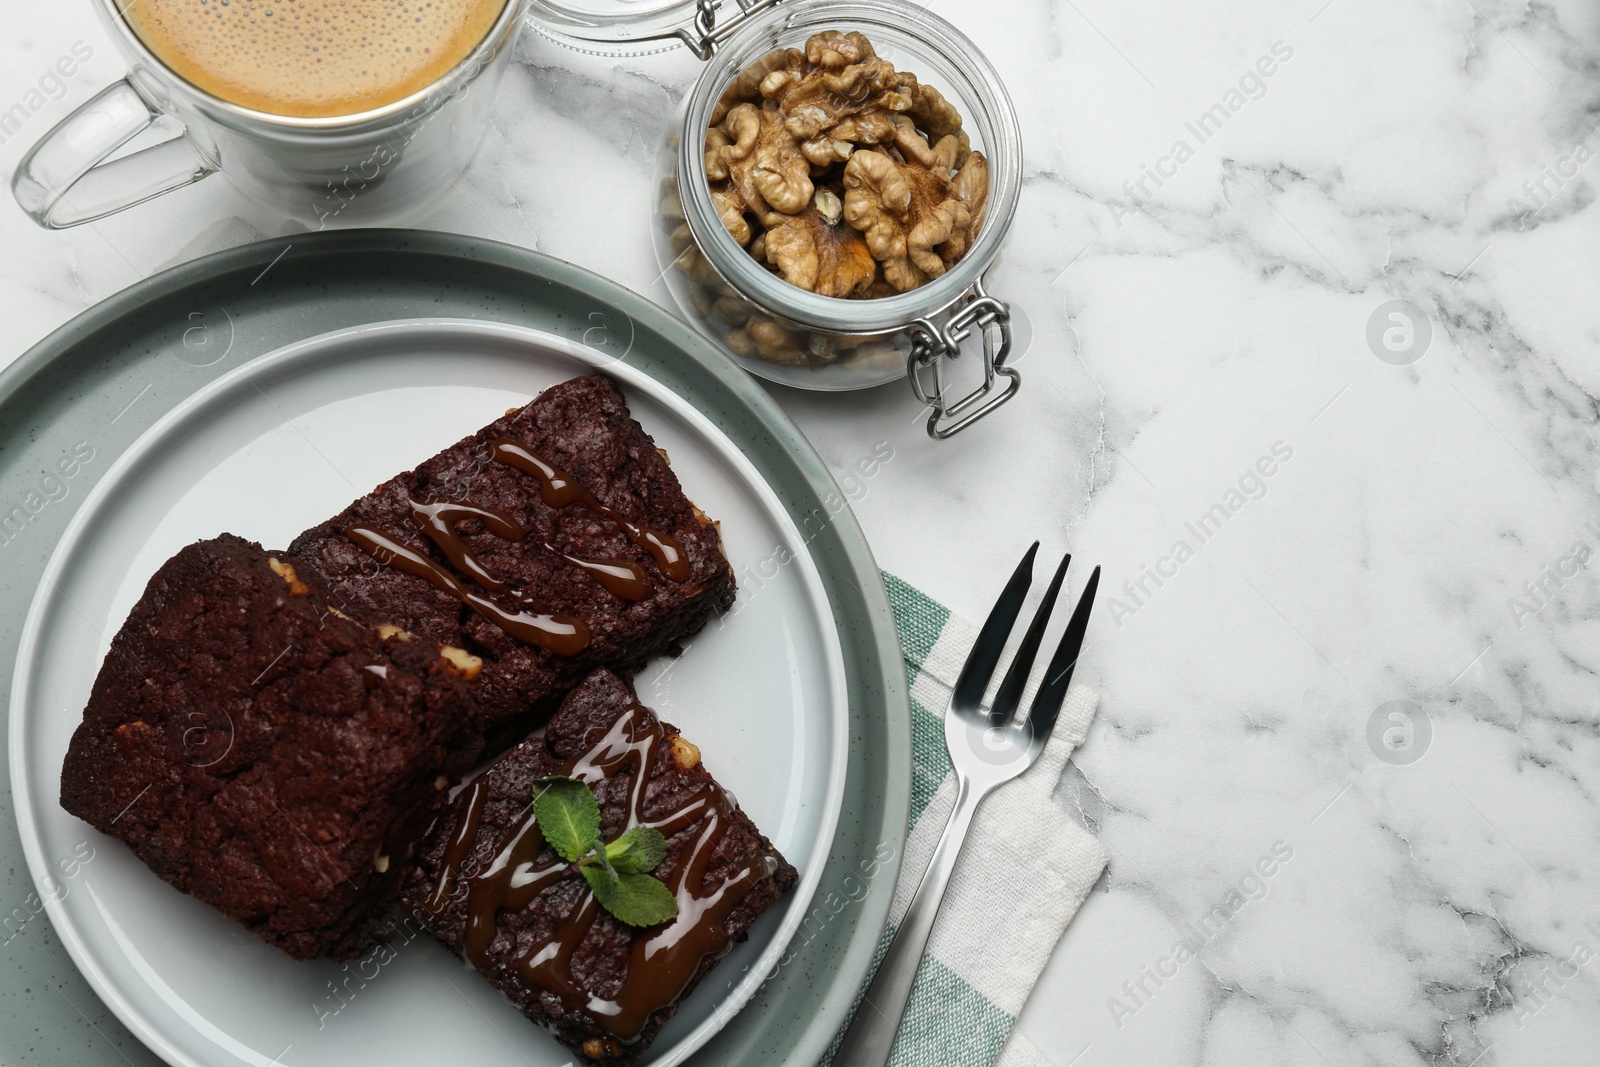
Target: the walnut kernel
pixel 764 163
pixel 685 753
pixel 460 661
pixel 817 251
pixel 904 212
pixel 286 572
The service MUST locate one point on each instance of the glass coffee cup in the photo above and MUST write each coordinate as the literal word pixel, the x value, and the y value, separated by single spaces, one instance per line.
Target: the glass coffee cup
pixel 368 167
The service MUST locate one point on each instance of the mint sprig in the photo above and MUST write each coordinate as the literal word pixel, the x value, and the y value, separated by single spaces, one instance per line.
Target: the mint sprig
pixel 639 851
pixel 618 872
pixel 567 814
pixel 635 899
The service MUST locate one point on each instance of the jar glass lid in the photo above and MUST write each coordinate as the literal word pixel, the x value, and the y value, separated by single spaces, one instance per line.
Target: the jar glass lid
pixel 639 27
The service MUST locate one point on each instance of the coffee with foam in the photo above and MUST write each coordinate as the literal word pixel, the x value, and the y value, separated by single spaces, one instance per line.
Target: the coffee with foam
pixel 312 58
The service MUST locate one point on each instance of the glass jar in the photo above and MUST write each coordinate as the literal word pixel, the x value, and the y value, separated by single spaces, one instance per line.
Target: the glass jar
pixel 780 331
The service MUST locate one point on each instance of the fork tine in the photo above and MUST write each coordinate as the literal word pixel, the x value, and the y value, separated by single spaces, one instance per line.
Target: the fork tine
pixel 985 654
pixel 1047 702
pixel 1009 695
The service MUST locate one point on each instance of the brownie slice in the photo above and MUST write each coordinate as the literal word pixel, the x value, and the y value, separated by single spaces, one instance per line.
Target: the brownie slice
pixel 582 427
pixel 488 887
pixel 267 755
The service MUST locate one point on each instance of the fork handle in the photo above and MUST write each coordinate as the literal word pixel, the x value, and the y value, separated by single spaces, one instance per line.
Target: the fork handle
pixel 871 1036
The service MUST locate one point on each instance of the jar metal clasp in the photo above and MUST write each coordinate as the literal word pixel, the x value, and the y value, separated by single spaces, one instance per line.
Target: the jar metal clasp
pixel 933 343
pixel 704 34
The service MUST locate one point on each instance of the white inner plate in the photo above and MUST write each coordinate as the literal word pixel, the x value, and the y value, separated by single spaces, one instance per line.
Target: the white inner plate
pixel 277 446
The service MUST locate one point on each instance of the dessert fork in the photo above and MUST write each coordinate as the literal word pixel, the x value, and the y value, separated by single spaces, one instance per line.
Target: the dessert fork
pixel 987 749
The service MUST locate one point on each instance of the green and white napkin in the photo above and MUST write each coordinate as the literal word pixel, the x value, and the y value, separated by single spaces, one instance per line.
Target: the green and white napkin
pixel 1024 871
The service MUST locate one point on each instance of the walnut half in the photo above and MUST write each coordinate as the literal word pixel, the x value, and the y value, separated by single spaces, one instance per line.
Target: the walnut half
pixel 764 163
pixel 816 250
pixel 905 212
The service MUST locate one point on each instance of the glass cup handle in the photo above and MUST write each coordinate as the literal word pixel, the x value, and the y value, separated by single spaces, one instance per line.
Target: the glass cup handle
pixel 62 182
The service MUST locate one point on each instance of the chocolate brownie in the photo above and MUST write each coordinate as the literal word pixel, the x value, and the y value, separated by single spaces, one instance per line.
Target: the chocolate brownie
pixel 267 755
pixel 488 887
pixel 610 557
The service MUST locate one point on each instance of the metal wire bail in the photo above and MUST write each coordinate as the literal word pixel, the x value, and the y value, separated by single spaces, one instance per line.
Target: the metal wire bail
pixel 932 344
pixel 703 34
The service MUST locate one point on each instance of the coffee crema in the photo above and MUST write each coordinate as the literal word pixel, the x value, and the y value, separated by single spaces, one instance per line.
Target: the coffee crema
pixel 312 58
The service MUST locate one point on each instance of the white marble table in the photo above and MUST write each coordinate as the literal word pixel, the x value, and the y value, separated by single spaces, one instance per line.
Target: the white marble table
pixel 1185 331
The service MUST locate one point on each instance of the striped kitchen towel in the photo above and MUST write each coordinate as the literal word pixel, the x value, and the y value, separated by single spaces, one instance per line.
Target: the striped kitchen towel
pixel 1025 868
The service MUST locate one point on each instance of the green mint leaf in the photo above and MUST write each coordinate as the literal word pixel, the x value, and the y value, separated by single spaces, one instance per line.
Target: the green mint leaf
pixel 635 899
pixel 568 815
pixel 603 880
pixel 639 851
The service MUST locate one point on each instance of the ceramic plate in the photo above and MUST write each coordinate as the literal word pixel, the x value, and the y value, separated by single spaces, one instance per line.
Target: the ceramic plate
pixel 275 446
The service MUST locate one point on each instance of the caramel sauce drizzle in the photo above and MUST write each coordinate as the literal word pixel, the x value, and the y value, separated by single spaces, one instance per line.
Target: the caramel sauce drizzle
pixel 460 843
pixel 561 634
pixel 665 958
pixel 438 521
pixel 621 577
pixel 560 489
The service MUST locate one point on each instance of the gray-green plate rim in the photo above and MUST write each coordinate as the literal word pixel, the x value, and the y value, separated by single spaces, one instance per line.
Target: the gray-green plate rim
pixel 800 1008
